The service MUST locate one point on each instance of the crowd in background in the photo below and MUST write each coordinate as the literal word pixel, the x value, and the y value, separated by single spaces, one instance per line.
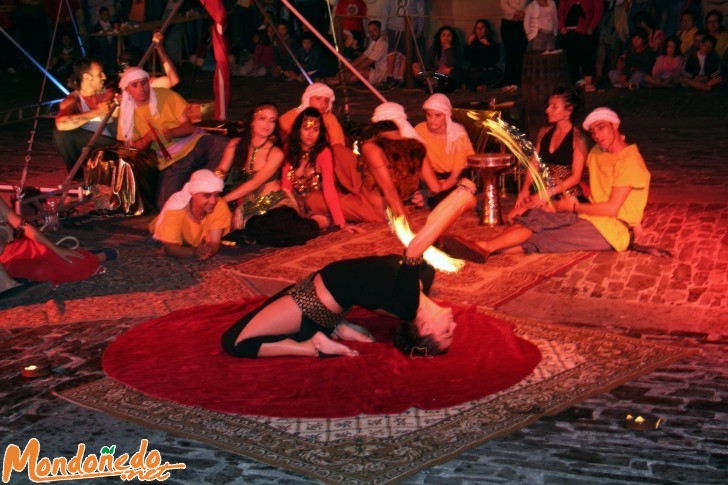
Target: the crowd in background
pixel 623 43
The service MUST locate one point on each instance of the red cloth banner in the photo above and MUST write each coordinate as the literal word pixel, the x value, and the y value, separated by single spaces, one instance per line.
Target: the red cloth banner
pixel 221 81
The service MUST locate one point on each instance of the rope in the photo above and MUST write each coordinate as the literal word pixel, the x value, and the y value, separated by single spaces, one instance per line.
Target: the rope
pixel 342 78
pixel 75 28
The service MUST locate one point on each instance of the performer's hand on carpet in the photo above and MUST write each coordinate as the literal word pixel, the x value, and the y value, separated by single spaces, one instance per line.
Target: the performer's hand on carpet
pixel 204 251
pixel 353 229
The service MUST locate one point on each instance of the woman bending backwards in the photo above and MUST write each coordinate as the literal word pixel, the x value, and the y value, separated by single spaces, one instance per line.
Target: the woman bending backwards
pixel 302 319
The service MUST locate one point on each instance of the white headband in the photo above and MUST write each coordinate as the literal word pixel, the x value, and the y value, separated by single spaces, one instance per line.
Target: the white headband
pixel 395 113
pixel 127 106
pixel 601 114
pixel 453 131
pixel 317 89
pixel 201 181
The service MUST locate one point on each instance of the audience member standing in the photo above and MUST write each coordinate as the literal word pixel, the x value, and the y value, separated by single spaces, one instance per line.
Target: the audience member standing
pixel 578 22
pixel 352 13
pixel 514 39
pixel 542 25
pixel 394 25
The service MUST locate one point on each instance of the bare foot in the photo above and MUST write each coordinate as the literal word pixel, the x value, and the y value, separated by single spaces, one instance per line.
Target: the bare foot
pixel 327 346
pixel 355 333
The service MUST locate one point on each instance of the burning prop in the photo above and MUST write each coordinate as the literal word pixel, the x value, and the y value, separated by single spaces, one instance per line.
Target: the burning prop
pixel 441 217
pixel 523 150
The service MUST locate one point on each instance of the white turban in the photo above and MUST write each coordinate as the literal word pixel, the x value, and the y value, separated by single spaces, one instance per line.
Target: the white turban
pixel 395 113
pixel 201 181
pixel 130 75
pixel 601 114
pixel 455 132
pixel 317 89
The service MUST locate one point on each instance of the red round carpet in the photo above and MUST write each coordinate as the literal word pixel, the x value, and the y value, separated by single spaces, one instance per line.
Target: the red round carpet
pixel 179 358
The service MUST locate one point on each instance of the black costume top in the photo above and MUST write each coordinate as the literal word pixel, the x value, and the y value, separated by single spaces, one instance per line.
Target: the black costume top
pixel 559 161
pixel 378 283
pixel 372 282
pixel 563 154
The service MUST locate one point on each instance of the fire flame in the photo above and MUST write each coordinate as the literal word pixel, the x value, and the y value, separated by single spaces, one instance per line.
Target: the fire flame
pixel 436 258
pixel 522 149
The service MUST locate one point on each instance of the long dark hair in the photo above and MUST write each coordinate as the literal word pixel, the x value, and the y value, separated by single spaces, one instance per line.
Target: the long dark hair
pixel 409 341
pixel 488 30
pixel 438 46
pixel 241 153
pixel 295 147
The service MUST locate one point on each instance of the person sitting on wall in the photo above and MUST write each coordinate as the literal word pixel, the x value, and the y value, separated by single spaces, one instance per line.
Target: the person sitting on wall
pixel 702 69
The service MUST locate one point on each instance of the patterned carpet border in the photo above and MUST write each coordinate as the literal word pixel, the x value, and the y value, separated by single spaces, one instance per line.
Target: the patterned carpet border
pixel 588 362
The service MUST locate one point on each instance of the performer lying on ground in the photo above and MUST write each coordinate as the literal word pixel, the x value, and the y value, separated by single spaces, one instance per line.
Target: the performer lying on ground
pixel 150 116
pixel 82 111
pixel 194 220
pixel 31 256
pixel 393 158
pixel 619 183
pixel 308 173
pixel 448 146
pixel 302 319
pixel 251 167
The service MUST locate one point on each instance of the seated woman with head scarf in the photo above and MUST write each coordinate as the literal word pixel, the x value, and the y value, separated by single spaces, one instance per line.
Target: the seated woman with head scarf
pixel 251 167
pixel 448 146
pixel 302 319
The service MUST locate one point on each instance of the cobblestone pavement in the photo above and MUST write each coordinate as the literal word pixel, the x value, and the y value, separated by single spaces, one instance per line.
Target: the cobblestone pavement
pixel 681 300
